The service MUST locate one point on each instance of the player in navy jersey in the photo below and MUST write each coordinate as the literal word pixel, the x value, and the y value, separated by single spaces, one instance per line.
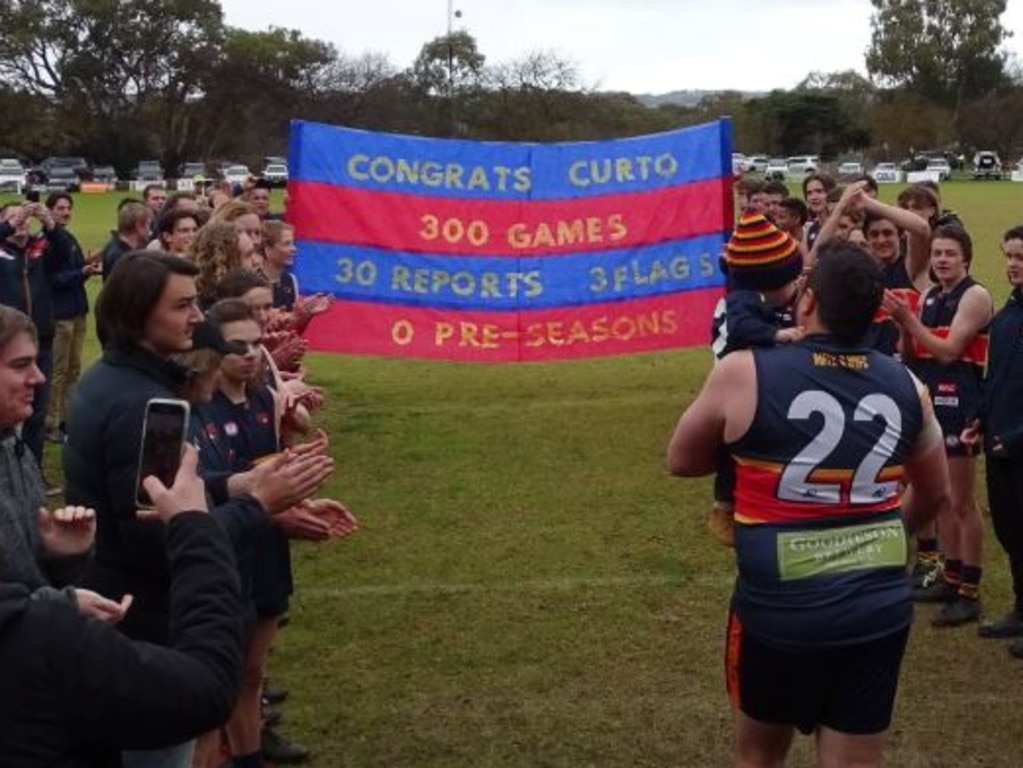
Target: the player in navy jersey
pixel 762 265
pixel 949 353
pixel 825 432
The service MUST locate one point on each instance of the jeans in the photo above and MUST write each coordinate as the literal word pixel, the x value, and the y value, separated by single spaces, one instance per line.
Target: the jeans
pixel 179 756
pixel 68 341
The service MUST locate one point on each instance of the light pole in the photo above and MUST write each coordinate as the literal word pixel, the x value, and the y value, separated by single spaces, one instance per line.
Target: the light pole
pixel 452 15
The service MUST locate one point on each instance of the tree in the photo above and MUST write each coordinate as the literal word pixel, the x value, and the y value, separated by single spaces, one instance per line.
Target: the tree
pixel 253 87
pixel 945 50
pixel 449 64
pixel 99 63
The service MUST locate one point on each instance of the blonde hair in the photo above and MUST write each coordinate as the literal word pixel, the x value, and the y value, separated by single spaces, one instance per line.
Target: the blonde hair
pixel 215 251
pixel 273 232
pixel 231 210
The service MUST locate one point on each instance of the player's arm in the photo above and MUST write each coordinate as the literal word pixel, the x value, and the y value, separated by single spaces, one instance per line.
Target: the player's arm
pixel 926 470
pixel 720 413
pixel 972 317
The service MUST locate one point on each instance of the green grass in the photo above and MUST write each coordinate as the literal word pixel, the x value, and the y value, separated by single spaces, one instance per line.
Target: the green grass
pixel 529 588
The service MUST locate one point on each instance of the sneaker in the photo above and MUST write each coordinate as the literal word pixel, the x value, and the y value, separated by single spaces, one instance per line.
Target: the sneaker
pixel 960 611
pixel 1010 625
pixel 926 571
pixel 54 490
pixel 721 524
pixel 271 717
pixel 939 591
pixel 279 751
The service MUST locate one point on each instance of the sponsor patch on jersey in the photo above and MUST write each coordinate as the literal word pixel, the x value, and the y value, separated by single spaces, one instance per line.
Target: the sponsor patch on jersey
pixel 231 429
pixel 946 401
pixel 805 554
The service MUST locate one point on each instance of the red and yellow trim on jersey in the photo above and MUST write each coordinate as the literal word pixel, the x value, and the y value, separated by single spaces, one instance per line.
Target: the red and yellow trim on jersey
pixel 757 494
pixel 909 295
pixel 975 352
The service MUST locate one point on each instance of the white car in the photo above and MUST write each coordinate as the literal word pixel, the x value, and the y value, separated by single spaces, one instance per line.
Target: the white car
pixel 12 174
pixel 236 174
pixel 802 165
pixel 757 163
pixel 277 174
pixel 850 169
pixel 776 168
pixel 941 166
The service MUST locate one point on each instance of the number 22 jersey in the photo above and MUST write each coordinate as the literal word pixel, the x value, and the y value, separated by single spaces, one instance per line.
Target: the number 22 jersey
pixel 820 543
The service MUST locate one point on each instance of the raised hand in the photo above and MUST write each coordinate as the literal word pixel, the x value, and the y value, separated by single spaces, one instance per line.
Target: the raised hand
pixel 67 531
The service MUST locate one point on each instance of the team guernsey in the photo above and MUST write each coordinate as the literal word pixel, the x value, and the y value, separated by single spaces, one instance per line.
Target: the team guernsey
pixel 956 387
pixel 884 335
pixel 820 543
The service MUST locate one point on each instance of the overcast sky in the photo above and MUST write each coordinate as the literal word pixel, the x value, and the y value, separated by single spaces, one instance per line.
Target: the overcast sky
pixel 641 46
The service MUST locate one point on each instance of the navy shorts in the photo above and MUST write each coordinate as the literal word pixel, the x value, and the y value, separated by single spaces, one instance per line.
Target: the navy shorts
pixel 849 689
pixel 272 583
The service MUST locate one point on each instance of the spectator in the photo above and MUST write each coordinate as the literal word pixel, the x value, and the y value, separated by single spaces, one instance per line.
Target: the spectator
pixel 1000 427
pixel 134 221
pixel 259 198
pixel 218 248
pixel 147 313
pixel 70 311
pixel 177 232
pixel 80 692
pixel 28 266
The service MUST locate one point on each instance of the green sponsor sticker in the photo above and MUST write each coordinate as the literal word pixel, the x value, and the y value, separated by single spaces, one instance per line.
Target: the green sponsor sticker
pixel 804 554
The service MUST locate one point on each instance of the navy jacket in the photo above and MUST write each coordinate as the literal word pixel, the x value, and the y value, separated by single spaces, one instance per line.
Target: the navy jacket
pixel 1001 412
pixel 26 274
pixel 68 284
pixel 101 460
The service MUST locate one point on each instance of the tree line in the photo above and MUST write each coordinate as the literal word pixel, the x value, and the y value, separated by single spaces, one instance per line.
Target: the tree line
pixel 116 80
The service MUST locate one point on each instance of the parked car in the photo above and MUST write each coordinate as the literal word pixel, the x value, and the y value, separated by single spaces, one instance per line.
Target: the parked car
pixel 104 174
pixel 757 163
pixel 79 165
pixel 850 168
pixel 801 165
pixel 987 165
pixel 12 174
pixel 236 174
pixel 884 169
pixel 194 170
pixel 277 174
pixel 63 178
pixel 148 170
pixel 776 168
pixel 941 166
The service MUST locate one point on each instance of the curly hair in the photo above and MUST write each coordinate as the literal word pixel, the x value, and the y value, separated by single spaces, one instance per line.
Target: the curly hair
pixel 231 210
pixel 215 251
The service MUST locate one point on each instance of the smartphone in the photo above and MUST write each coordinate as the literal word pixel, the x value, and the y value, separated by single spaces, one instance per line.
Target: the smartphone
pixel 32 196
pixel 164 431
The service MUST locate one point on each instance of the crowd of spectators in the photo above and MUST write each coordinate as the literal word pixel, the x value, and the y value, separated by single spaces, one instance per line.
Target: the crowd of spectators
pixel 143 636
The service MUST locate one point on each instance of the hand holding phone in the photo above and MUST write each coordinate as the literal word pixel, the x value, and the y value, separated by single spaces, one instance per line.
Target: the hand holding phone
pixel 164 431
pixel 186 494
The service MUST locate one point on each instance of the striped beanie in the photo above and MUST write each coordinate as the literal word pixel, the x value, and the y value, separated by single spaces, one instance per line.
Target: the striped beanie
pixel 759 256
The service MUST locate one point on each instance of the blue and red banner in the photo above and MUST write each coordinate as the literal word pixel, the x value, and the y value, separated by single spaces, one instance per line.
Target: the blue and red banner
pixel 488 251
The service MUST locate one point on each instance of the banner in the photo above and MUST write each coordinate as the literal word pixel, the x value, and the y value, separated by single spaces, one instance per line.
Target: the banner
pixel 489 251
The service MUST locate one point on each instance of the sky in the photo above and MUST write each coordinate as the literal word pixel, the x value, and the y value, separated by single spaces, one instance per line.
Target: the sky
pixel 640 46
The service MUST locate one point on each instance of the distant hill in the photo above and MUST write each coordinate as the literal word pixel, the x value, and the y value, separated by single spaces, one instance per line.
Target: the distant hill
pixel 687 98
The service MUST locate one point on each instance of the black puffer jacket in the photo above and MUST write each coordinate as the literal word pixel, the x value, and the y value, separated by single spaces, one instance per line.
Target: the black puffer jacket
pixel 74 692
pixel 101 459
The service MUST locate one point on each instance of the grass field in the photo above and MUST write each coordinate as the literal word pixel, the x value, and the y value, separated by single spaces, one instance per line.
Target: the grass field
pixel 529 587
